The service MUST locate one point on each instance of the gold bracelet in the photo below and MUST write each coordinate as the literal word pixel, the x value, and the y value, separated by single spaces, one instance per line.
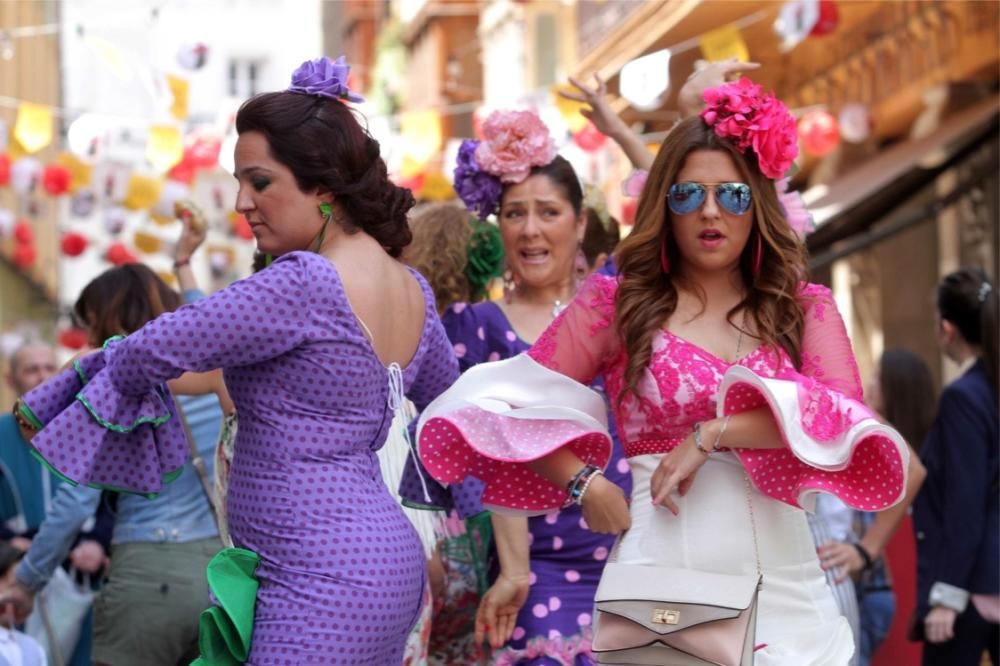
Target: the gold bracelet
pixel 718 439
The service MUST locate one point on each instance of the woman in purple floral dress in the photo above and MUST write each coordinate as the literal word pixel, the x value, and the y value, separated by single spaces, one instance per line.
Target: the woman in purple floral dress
pixel 546 593
pixel 318 350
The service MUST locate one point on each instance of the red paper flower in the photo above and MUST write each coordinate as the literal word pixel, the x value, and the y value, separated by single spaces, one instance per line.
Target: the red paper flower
pixel 242 228
pixel 590 138
pixel 118 254
pixel 23 233
pixel 56 179
pixel 73 338
pixel 73 244
pixel 25 255
pixel 4 169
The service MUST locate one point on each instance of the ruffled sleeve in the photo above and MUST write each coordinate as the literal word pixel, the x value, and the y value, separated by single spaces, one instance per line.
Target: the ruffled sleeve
pixel 500 415
pixel 834 443
pixel 110 421
pixel 93 435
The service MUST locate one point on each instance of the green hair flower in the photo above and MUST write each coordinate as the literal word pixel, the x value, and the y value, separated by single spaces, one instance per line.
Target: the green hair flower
pixel 485 257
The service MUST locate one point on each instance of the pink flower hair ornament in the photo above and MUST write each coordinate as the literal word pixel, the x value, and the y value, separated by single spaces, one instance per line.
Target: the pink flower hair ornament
pixel 743 113
pixel 513 143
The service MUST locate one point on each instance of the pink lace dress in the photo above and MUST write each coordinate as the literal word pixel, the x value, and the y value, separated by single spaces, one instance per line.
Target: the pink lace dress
pixel 483 427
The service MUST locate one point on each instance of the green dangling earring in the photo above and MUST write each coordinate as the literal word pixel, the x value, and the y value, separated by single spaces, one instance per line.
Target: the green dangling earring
pixel 326 210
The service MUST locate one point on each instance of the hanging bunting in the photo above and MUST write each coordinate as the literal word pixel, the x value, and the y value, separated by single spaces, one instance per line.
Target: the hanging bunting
pixel 724 43
pixel 33 127
pixel 118 254
pixel 819 133
pixel 115 219
pixel 421 136
pixel 80 170
pixel 7 222
pixel 56 179
pixel 193 56
pixel 4 131
pixel 644 82
pixel 143 192
pixel 165 147
pixel 83 203
pixel 179 88
pixel 73 244
pixel 25 174
pixel 795 21
pixel 112 57
pixel 147 242
pixel 570 109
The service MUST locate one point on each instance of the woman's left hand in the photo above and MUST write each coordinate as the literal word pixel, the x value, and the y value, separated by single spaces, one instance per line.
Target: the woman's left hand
pixel 676 470
pixel 840 555
pixel 939 625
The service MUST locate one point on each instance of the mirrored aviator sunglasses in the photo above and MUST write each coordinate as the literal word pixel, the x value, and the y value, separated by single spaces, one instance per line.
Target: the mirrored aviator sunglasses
pixel 685 198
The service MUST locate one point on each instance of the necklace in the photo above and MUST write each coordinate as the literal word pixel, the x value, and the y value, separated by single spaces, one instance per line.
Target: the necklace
pixel 558 307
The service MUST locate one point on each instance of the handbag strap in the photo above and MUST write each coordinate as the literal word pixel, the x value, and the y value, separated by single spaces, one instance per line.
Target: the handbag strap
pixel 198 462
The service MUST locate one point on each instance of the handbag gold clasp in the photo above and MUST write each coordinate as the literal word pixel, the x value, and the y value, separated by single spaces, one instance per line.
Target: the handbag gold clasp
pixel 666 616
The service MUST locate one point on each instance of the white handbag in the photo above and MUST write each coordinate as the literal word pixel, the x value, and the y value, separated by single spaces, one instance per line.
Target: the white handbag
pixel 60 610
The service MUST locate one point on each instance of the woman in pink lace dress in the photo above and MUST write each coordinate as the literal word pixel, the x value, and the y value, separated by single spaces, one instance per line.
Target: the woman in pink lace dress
pixel 732 381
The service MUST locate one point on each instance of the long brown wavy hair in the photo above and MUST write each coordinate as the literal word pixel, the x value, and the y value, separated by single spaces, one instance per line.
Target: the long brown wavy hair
pixel 439 250
pixel 647 296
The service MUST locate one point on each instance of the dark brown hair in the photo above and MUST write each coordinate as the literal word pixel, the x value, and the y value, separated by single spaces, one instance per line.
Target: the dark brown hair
pixel 561 173
pixel 968 300
pixel 599 237
pixel 907 390
pixel 122 300
pixel 324 146
pixel 647 296
pixel 441 234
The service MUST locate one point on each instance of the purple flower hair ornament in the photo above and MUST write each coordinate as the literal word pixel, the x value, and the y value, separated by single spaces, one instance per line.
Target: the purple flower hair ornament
pixel 513 143
pixel 323 77
pixel 479 191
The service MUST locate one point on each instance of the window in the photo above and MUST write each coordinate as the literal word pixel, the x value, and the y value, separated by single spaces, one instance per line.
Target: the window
pixel 244 78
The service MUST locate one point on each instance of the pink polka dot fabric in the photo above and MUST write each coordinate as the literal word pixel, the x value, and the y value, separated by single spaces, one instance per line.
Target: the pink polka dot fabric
pixel 492 448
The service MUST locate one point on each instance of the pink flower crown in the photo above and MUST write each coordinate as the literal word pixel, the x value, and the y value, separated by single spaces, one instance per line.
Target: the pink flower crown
pixel 513 142
pixel 742 112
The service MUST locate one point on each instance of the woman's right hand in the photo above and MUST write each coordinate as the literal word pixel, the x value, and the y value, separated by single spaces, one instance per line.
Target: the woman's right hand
pixel 193 234
pixel 605 508
pixel 499 607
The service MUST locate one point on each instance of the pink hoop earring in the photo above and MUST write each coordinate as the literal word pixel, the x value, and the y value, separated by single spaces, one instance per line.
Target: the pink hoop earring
pixel 757 255
pixel 664 257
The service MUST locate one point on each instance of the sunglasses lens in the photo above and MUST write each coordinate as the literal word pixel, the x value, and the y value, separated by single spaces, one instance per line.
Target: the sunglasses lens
pixel 685 197
pixel 734 197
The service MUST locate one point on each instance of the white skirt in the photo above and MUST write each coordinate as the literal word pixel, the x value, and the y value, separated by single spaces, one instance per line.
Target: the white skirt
pixel 798 623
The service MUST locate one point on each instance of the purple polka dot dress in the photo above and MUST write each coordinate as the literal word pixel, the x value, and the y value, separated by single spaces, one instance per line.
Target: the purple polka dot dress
pixel 554 625
pixel 341 570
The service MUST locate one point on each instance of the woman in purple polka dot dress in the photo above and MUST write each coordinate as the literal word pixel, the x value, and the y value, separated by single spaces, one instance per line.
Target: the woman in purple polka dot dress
pixel 317 350
pixel 549 565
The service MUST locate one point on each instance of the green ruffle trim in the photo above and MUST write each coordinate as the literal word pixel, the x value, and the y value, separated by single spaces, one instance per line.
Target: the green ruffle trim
pixel 111 339
pixel 167 478
pixel 155 421
pixel 29 415
pixel 79 371
pixel 224 631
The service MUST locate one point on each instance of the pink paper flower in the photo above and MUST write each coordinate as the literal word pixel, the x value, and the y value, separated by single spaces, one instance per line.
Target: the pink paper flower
pixel 754 120
pixel 513 142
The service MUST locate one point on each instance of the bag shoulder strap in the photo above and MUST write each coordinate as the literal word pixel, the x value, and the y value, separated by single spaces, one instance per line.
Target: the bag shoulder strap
pixel 198 462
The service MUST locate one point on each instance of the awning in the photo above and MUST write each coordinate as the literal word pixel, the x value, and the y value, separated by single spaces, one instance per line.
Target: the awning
pixel 860 197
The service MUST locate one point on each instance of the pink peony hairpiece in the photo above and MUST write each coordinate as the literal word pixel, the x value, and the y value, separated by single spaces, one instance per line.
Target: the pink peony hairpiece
pixel 742 112
pixel 513 143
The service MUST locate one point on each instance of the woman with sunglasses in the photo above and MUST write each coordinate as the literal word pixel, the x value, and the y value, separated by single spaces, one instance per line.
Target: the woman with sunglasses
pixel 731 379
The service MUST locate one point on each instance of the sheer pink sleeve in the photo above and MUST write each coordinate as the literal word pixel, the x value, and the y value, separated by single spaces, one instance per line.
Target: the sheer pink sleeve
pixel 499 416
pixel 827 355
pixel 833 442
pixel 581 340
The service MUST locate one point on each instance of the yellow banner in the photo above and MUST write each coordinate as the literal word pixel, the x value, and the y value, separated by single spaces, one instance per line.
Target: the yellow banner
pixel 570 109
pixel 723 43
pixel 165 147
pixel 179 89
pixel 33 128
pixel 81 171
pixel 421 134
pixel 147 242
pixel 143 192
